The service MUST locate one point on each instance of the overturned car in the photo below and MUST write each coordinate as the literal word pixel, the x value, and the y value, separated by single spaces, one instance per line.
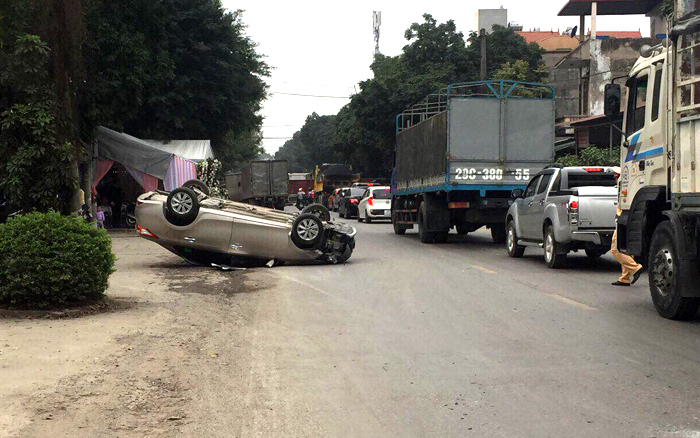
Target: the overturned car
pixel 203 229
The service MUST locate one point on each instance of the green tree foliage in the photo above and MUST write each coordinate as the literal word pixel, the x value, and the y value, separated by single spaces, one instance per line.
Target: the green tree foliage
pixel 313 144
pixel 435 56
pixel 50 260
pixel 175 69
pixel 35 160
pixel 592 156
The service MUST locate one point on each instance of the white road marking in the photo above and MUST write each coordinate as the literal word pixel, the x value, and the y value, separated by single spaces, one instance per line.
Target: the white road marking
pixel 571 302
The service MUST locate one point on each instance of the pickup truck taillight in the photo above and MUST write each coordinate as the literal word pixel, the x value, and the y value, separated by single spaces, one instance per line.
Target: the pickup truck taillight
pixel 573 212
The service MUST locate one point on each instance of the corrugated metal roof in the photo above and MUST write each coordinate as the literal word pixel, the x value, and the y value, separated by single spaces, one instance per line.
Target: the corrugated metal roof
pixel 608 7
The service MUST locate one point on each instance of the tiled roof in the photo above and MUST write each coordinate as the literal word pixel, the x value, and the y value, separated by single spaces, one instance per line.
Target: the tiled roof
pixel 618 33
pixel 534 36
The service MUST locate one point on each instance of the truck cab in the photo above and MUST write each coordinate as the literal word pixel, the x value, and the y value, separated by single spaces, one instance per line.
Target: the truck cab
pixel 659 189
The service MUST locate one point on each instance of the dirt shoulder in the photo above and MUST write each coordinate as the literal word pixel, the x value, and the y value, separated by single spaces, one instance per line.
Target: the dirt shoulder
pixel 136 369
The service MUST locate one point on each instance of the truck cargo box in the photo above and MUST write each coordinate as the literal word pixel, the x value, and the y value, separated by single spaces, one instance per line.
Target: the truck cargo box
pixel 259 179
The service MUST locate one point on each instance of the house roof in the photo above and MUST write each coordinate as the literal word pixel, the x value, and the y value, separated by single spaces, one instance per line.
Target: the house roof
pixel 558 43
pixel 535 36
pixel 608 7
pixel 618 33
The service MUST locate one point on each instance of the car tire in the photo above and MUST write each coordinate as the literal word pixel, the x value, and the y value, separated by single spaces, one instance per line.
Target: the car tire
pixel 307 231
pixel 665 274
pixel 595 253
pixel 197 184
pixel 552 256
pixel 398 228
pixel 498 233
pixel 367 219
pixel 424 235
pixel 319 210
pixel 182 206
pixel 347 252
pixel 514 250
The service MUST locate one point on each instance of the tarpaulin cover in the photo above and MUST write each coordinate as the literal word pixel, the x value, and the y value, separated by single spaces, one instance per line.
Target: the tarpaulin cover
pixel 421 150
pixel 688 24
pixel 336 170
pixel 193 150
pixel 132 152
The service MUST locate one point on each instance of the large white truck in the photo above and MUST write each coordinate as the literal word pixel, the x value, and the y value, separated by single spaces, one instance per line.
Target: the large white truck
pixel 659 189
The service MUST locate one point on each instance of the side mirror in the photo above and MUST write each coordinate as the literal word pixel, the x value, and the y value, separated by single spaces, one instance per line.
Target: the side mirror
pixel 516 193
pixel 611 105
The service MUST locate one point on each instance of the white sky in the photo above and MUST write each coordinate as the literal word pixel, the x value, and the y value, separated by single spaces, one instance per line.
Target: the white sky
pixel 326 47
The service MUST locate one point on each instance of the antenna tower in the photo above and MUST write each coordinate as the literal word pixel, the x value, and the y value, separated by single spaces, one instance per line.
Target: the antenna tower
pixel 376 21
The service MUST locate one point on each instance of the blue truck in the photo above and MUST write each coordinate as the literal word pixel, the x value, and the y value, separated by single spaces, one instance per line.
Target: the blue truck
pixel 462 151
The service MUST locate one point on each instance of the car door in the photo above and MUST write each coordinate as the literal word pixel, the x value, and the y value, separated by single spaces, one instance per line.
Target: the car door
pixel 361 208
pixel 211 231
pixel 536 210
pixel 525 211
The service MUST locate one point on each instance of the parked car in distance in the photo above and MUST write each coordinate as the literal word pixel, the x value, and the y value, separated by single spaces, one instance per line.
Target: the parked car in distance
pixel 331 199
pixel 204 230
pixel 562 210
pixel 375 204
pixel 338 197
pixel 349 200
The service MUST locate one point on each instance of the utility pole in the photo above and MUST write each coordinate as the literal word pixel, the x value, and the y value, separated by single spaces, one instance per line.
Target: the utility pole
pixel 482 40
pixel 376 22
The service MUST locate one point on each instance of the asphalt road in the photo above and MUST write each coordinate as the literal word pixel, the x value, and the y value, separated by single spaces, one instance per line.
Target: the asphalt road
pixel 457 339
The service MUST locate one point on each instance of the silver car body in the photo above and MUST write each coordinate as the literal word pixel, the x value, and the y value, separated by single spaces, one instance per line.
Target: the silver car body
pixel 594 222
pixel 232 228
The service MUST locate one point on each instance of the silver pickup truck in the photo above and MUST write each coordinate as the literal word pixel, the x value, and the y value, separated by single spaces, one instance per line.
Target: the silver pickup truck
pixel 563 209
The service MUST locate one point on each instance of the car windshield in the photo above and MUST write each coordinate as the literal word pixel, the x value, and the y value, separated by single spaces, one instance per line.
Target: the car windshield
pixel 587 179
pixel 357 191
pixel 381 194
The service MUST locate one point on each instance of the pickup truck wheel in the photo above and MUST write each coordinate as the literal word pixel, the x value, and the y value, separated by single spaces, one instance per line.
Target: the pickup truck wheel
pixel 554 259
pixel 514 250
pixel 424 235
pixel 665 276
pixel 182 206
pixel 307 231
pixel 498 233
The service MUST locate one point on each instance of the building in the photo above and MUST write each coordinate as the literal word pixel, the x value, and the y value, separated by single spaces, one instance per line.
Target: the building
pixel 487 18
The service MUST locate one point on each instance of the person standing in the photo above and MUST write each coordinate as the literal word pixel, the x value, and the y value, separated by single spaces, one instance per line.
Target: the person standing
pixel 300 198
pixel 631 270
pixel 100 217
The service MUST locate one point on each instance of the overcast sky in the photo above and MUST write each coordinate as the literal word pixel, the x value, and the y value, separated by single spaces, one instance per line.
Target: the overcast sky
pixel 324 48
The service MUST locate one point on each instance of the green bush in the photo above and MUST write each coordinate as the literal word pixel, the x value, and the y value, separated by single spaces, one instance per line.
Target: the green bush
pixel 49 260
pixel 592 156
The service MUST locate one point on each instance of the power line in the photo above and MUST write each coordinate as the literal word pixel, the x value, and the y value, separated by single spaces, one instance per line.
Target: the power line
pixel 310 95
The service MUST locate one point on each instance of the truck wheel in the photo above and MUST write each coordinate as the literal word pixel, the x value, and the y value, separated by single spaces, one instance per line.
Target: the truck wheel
pixel 462 230
pixel 514 250
pixel 197 184
pixel 441 237
pixel 554 259
pixel 595 253
pixel 307 231
pixel 498 233
pixel 424 235
pixel 182 206
pixel 665 276
pixel 398 228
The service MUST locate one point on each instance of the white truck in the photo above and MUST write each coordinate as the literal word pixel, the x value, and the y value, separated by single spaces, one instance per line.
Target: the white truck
pixel 659 190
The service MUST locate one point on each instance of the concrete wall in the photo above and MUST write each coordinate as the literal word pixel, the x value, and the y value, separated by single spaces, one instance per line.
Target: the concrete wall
pixel 565 85
pixel 486 18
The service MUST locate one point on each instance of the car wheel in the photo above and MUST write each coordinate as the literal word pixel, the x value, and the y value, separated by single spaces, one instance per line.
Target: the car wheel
pixel 514 250
pixel 424 235
pixel 595 253
pixel 345 255
pixel 498 233
pixel 182 206
pixel 319 210
pixel 552 256
pixel 665 274
pixel 367 219
pixel 398 228
pixel 197 184
pixel 307 231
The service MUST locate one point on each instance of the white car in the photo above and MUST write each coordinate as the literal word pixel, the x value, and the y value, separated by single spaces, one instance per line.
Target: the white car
pixel 375 204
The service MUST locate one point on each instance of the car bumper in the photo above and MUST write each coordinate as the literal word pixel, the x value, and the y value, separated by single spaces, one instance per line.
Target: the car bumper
pixel 597 237
pixel 378 213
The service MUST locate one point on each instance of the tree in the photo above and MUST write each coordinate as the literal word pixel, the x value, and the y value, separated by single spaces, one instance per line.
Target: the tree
pixel 313 144
pixel 175 69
